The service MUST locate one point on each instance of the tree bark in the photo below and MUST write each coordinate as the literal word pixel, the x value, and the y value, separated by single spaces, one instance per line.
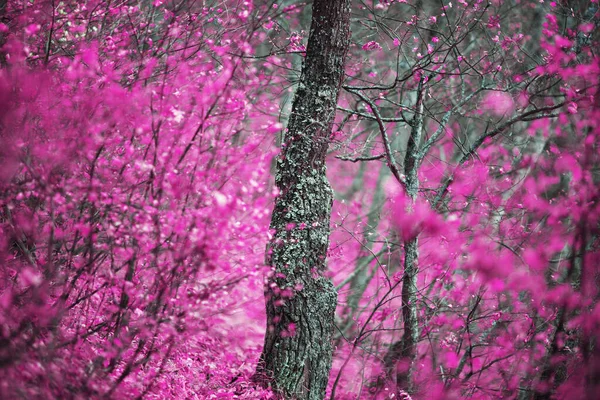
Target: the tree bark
pixel 300 300
pixel 411 252
pixel 402 354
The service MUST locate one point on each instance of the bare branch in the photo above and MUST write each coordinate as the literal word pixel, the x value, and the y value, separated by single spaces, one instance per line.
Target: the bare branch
pixel 362 158
pixel 537 113
pixel 386 141
pixel 440 130
pixel 372 117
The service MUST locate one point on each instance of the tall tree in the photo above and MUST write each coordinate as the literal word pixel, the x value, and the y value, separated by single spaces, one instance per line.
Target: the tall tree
pixel 300 300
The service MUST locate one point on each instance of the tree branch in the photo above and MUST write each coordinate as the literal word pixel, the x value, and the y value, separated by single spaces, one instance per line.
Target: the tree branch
pixel 386 141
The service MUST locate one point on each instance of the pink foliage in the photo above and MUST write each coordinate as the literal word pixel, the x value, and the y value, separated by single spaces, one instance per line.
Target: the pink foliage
pixel 370 46
pixel 415 218
pixel 498 103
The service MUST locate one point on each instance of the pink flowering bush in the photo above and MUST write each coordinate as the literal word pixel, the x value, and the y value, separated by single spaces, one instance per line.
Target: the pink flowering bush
pixel 121 172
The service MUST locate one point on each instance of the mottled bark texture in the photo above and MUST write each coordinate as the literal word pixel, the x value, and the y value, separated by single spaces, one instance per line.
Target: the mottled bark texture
pixel 402 354
pixel 300 300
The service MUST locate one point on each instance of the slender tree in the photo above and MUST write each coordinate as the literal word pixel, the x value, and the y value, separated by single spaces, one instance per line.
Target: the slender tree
pixel 300 299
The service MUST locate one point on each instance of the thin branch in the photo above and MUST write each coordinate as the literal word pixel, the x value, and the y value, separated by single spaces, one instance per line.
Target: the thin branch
pixel 386 141
pixel 362 158
pixel 527 116
pixel 371 117
pixel 440 130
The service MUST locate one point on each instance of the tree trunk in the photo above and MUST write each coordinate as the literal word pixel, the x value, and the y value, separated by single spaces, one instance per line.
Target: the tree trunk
pixel 402 354
pixel 300 301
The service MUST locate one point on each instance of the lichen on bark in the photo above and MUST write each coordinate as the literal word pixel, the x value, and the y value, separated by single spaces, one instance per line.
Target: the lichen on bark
pixel 300 299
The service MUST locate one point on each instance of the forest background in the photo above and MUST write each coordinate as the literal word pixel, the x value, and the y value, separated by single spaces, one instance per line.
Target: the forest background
pixel 138 150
